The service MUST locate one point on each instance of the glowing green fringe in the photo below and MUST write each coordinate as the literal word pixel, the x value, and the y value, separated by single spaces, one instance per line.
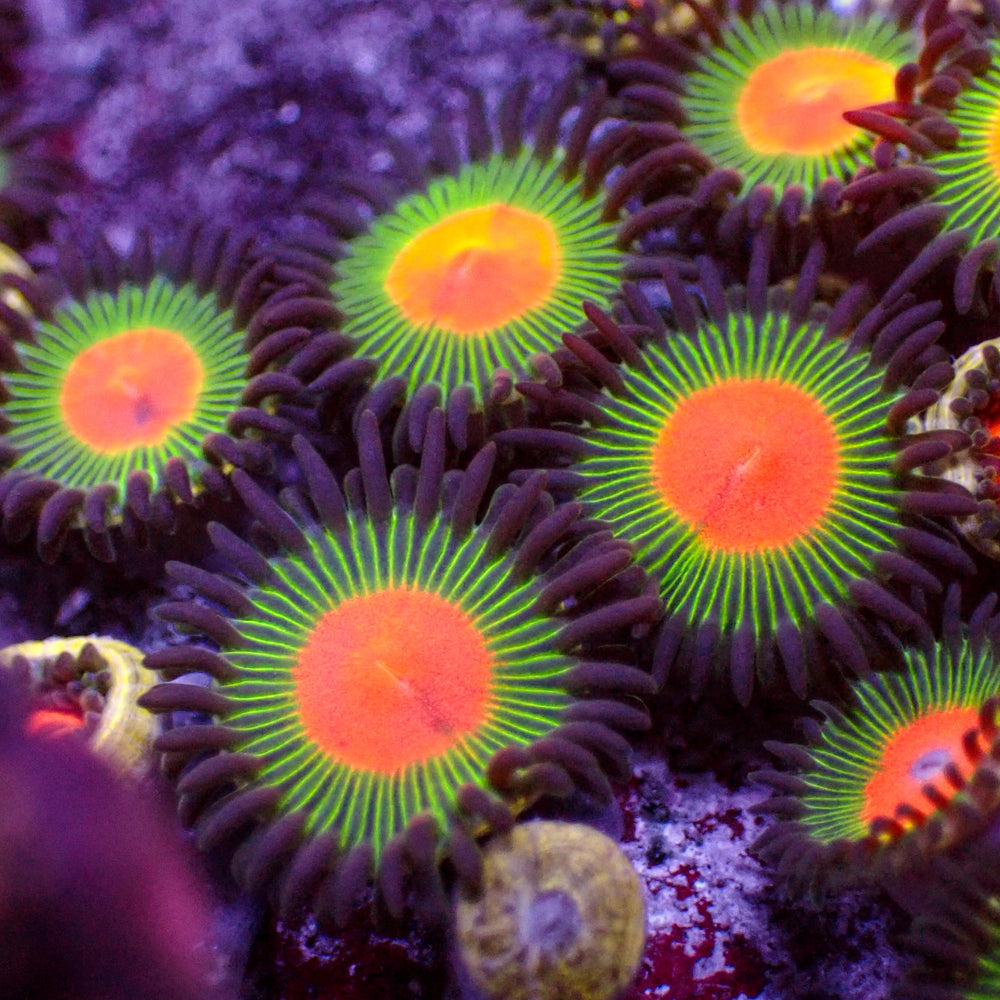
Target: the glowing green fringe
pixel 47 447
pixel 768 585
pixel 526 702
pixel 712 91
pixel 970 184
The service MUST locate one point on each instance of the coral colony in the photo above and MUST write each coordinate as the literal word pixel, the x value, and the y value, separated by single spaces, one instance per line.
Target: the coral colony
pixel 677 392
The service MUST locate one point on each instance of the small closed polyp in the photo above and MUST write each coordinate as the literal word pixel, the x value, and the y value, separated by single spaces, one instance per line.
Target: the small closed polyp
pixel 971 404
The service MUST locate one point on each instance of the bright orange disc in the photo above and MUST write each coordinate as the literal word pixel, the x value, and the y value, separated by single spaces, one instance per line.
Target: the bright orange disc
pixel 476 269
pixel 129 390
pixel 392 678
pixel 747 464
pixel 993 145
pixel 916 756
pixel 794 103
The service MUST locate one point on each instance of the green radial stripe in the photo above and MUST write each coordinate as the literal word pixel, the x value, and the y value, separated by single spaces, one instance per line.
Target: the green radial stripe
pixel 986 981
pixel 970 182
pixel 849 754
pixel 527 698
pixel 713 89
pixel 48 448
pixel 589 270
pixel 766 585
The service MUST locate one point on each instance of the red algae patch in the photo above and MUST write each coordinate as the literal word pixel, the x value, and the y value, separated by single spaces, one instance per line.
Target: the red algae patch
pixel 131 389
pixel 289 962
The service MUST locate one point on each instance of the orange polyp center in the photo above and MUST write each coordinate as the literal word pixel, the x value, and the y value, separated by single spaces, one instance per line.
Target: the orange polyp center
pixel 747 464
pixel 917 755
pixel 993 144
pixel 50 722
pixel 794 103
pixel 476 270
pixel 392 678
pixel 129 390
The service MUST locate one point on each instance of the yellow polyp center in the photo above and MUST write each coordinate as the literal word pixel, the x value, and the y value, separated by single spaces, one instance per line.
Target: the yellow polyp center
pixel 131 389
pixel 392 678
pixel 917 755
pixel 747 464
pixel 476 270
pixel 993 144
pixel 794 103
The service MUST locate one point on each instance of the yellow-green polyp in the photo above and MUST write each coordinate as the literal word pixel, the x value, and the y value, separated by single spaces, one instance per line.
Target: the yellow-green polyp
pixel 395 680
